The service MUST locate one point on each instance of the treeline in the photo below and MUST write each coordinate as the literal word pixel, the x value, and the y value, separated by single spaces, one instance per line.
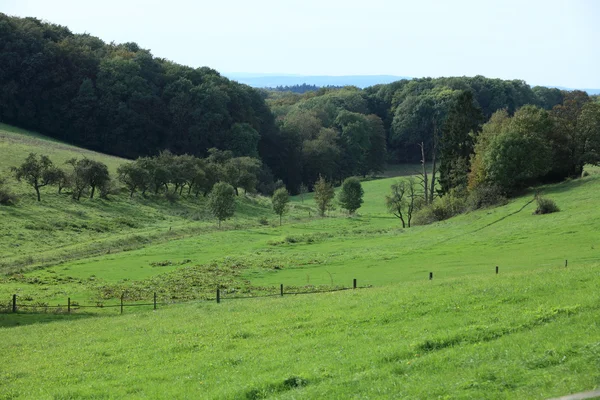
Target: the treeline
pixel 118 98
pixel 349 131
pixel 303 88
pixel 479 168
pixel 166 174
pixel 186 174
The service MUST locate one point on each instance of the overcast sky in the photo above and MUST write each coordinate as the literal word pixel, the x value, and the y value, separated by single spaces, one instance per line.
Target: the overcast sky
pixel 546 42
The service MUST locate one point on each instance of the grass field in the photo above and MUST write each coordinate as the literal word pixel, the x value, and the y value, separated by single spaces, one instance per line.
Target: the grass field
pixel 530 332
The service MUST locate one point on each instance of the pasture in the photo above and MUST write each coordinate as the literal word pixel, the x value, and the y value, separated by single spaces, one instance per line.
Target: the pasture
pixel 530 332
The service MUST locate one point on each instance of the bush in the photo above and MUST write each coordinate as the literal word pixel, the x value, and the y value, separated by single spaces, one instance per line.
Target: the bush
pixel 485 196
pixel 263 221
pixel 584 174
pixel 447 206
pixel 7 198
pixel 171 197
pixel 545 206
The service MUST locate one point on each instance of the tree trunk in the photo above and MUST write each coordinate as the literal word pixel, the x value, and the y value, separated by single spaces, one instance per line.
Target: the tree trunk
pixel 92 193
pixel 279 219
pixel 37 191
pixel 433 167
pixel 131 193
pixel 237 193
pixel 425 180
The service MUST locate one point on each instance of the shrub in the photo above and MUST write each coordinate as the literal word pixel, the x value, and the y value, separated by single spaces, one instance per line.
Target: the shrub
pixel 447 206
pixel 584 174
pixel 263 221
pixel 545 206
pixel 7 198
pixel 171 197
pixel 485 196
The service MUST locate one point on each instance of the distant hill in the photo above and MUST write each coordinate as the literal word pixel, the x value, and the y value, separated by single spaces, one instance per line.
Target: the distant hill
pixel 362 81
pixel 272 81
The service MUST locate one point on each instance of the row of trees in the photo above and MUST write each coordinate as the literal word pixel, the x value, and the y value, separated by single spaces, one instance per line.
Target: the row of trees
pixel 86 175
pixel 178 174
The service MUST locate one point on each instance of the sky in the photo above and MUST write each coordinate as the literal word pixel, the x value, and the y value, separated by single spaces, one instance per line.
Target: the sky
pixel 544 42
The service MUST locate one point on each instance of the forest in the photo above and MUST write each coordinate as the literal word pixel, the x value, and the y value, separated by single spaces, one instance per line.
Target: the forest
pixel 121 100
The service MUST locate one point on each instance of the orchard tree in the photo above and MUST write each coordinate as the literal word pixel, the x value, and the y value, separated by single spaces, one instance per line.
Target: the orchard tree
pixel 88 173
pixel 280 202
pixel 221 201
pixel 37 172
pixel 324 195
pixel 134 176
pixel 351 195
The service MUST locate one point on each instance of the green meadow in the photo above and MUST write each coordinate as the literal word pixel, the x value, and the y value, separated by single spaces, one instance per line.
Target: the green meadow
pixel 530 332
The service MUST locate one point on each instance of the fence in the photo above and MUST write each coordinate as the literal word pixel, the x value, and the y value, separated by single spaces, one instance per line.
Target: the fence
pixel 72 305
pixel 14 307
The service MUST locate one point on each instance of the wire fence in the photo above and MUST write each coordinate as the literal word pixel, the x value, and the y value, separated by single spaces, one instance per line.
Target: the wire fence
pixel 13 306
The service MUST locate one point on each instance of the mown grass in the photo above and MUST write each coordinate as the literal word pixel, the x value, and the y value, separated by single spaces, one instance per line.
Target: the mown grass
pixel 526 335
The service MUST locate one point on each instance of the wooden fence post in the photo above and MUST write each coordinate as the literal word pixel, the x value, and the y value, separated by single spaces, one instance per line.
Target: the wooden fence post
pixel 496 270
pixel 155 300
pixel 430 275
pixel 218 296
pixel 14 303
pixel 566 263
pixel 69 305
pixel 122 295
pixel 354 283
pixel 281 289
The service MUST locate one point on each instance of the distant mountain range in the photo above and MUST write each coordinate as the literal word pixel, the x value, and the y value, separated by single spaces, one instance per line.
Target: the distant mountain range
pixel 362 81
pixel 272 81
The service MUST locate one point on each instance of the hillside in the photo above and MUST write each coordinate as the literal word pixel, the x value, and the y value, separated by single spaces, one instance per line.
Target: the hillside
pixel 529 332
pixel 59 229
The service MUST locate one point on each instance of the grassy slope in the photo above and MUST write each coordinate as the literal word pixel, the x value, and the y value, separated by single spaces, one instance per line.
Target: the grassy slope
pixel 527 335
pixel 58 228
pixel 531 332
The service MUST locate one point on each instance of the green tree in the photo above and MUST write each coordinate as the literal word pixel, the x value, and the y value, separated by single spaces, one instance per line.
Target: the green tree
pixel 280 202
pixel 134 176
pixel 351 195
pixel 324 195
pixel 513 160
pixel 221 201
pixel 242 172
pixel 37 172
pixel 402 200
pixel 456 144
pixel 588 124
pixel 88 173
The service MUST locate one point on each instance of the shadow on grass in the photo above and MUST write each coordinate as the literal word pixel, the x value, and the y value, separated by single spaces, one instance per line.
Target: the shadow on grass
pixel 566 186
pixel 11 320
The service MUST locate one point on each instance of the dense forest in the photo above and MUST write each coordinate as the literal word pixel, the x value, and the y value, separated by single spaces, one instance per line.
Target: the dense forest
pixel 120 99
